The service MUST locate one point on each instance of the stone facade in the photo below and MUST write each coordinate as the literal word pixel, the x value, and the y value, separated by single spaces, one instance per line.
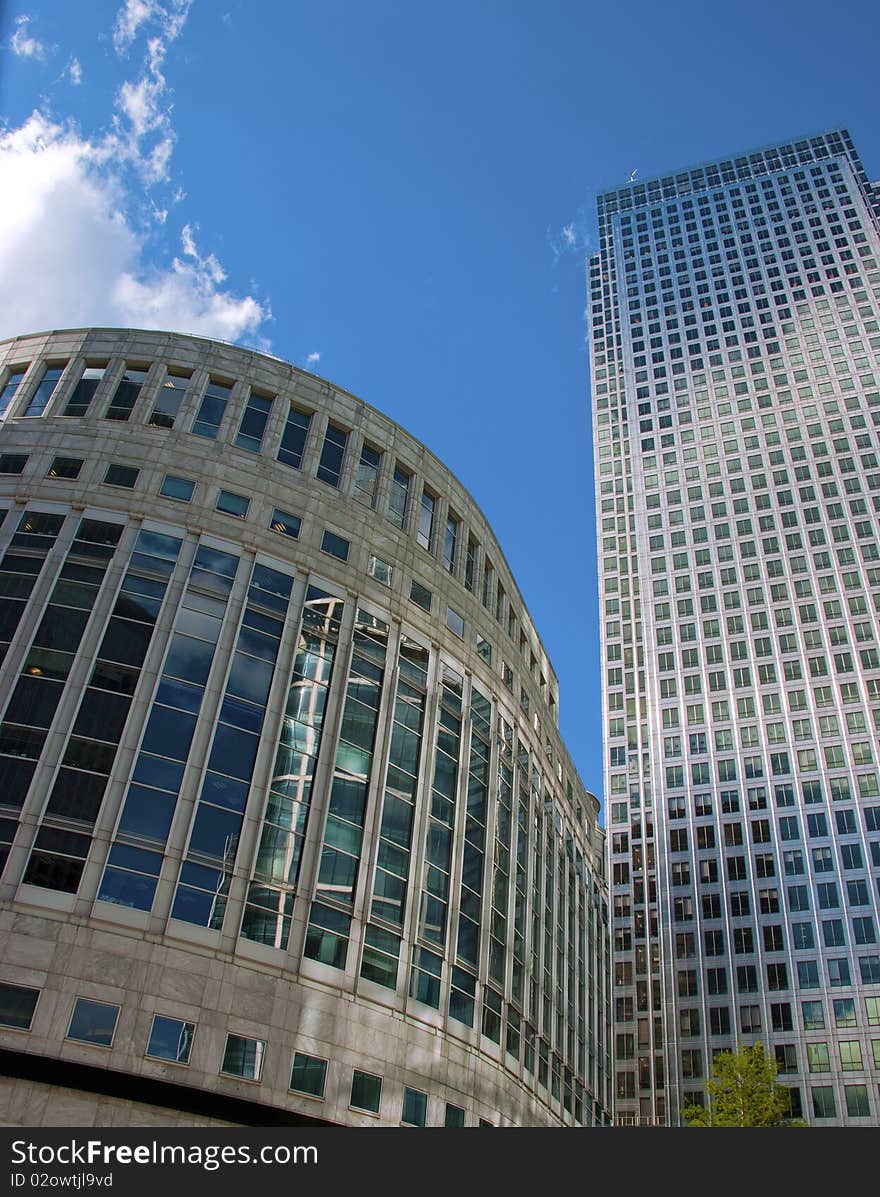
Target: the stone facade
pixel 280 762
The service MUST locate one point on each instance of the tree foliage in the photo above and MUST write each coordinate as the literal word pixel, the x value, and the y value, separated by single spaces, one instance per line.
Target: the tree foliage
pixel 742 1092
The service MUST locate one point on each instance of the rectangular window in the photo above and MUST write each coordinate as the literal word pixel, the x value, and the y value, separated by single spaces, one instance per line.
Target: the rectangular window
pixel 10 387
pixel 177 488
pixel 170 1039
pixel 84 391
pixel 455 622
pixel 470 564
pixel 449 542
pixel 285 524
pixel 823 1102
pixel 12 463
pixel 857 1101
pixel 127 393
pixel 420 595
pixel 293 440
pixel 44 392
pixel 366 1092
pixel 380 570
pixel 336 546
pixel 415 1108
pixel 253 423
pixel 120 475
pixel 169 399
pixel 308 1075
pixel 65 467
pixel 17 1006
pixel 454 1116
pixel 332 455
pixel 93 1022
pixel 425 531
pixel 212 410
pixel 367 478
pixel 232 504
pixel 243 1057
pixel 399 498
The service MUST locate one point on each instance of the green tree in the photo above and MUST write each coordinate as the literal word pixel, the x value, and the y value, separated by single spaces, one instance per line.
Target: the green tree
pixel 742 1092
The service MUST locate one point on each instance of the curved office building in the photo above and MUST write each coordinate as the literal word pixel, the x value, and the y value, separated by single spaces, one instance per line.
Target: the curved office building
pixel 288 831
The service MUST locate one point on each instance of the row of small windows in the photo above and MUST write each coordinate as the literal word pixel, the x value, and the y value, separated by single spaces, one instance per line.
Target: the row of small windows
pixel 787 156
pixel 458 552
pixel 171 1040
pixel 235 505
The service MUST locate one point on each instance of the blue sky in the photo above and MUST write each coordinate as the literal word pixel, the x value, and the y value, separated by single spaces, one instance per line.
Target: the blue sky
pixel 401 197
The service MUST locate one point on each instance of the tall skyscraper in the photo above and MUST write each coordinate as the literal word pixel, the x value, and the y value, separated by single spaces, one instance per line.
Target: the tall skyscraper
pixel 735 344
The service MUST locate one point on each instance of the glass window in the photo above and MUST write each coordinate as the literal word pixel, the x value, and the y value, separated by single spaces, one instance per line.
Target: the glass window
pixel 293 439
pixel 93 1022
pixel 399 497
pixel 286 524
pixel 415 1107
pixel 10 387
pixel 127 393
pixel 332 455
pixel 308 1075
pixel 823 1102
pixel 336 546
pixel 243 1057
pixel 455 622
pixel 169 399
pixel 232 504
pixel 450 540
pixel 454 1115
pixel 177 488
pixel 44 392
pixel 212 409
pixel 84 391
pixel 425 531
pixel 857 1101
pixel 366 1092
pixel 12 463
pixel 380 570
pixel 253 423
pixel 65 467
pixel 17 1005
pixel 367 476
pixel 421 596
pixel 170 1039
pixel 120 475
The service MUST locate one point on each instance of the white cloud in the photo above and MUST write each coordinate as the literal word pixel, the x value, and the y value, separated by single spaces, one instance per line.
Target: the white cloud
pixel 312 359
pixel 170 19
pixel 143 115
pixel 572 238
pixel 24 45
pixel 70 256
pixel 84 216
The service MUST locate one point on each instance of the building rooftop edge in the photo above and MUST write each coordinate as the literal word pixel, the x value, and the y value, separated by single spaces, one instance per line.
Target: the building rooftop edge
pixel 839 130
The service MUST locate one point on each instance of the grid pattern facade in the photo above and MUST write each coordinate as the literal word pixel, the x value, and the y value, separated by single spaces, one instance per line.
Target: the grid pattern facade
pixel 278 747
pixel 735 344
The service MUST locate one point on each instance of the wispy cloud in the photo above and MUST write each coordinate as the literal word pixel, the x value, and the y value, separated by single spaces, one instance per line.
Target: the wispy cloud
pixel 574 237
pixel 74 73
pixel 312 359
pixel 169 19
pixel 24 44
pixel 142 122
pixel 82 213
